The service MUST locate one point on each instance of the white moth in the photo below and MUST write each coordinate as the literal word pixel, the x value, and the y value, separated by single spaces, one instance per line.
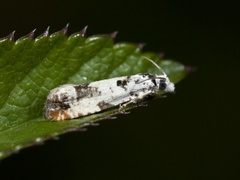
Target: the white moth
pixel 71 101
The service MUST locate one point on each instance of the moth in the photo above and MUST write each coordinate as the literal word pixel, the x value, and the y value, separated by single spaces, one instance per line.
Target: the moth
pixel 71 101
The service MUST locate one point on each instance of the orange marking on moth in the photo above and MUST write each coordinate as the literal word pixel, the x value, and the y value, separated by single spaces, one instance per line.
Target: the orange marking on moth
pixel 59 115
pixel 80 114
pixel 66 115
pixel 54 114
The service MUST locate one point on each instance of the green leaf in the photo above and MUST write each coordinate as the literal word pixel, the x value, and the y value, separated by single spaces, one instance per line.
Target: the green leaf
pixel 30 68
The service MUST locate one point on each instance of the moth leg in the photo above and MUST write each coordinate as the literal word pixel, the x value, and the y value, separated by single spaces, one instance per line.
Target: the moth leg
pixel 143 104
pixel 122 106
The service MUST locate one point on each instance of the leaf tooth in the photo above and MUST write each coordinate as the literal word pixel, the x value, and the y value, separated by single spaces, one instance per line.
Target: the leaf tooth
pixel 141 45
pixel 64 30
pixel 91 124
pixel 31 34
pixel 46 32
pixel 161 55
pixel 110 117
pixel 74 129
pixel 28 36
pixel 113 34
pixel 9 37
pixel 83 31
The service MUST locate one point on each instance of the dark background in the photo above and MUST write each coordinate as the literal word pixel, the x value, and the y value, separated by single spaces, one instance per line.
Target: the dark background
pixel 193 134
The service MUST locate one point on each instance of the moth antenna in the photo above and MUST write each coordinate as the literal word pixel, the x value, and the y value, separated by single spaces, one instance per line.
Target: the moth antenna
pixel 155 64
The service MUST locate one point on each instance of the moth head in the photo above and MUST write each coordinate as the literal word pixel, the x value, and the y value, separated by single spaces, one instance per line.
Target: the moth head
pixel 165 84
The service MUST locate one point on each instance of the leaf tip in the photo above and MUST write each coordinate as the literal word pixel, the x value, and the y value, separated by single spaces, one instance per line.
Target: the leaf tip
pixel 190 69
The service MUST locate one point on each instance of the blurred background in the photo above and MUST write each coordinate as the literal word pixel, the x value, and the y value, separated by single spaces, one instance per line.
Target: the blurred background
pixel 193 134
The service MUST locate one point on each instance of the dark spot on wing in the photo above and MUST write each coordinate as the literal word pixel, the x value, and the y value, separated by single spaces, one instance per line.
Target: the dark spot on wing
pixel 85 90
pixel 103 105
pixel 123 83
pixel 149 76
pixel 154 82
pixel 134 94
